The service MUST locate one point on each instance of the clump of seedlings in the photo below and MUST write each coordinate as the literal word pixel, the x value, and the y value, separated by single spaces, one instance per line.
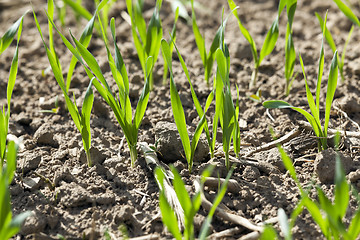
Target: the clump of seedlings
pixel 314 105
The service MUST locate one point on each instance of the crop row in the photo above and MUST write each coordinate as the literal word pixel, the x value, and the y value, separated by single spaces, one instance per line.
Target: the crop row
pixel 148 40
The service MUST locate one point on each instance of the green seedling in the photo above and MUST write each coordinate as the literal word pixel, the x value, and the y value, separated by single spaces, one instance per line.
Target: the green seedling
pixel 147 40
pixel 210 137
pixel 224 102
pixel 290 54
pixel 331 42
pixel 9 226
pixel 178 112
pixel 5 41
pixel 189 205
pixel 171 43
pixel 314 117
pixel 121 104
pixel 268 45
pixel 327 214
pixel 81 120
pixel 207 58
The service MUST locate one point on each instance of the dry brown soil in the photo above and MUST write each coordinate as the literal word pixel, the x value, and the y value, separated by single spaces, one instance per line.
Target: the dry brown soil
pixel 112 196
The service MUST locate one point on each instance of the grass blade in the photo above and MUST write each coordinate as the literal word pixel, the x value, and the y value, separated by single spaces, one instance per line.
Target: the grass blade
pixel 270 41
pixel 85 40
pixel 341 190
pixel 176 105
pixel 79 9
pixel 8 36
pixel 200 41
pixel 167 213
pixel 331 87
pixel 144 97
pixel 321 66
pixel 244 31
pixel 328 35
pixel 205 227
pixel 313 107
pixel 347 11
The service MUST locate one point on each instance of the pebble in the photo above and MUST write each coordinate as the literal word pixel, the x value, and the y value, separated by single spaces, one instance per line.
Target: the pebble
pixel 31 162
pixel 44 135
pixel 170 145
pixel 32 183
pixel 33 224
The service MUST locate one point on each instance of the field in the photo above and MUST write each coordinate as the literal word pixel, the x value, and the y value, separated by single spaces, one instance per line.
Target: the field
pixel 118 196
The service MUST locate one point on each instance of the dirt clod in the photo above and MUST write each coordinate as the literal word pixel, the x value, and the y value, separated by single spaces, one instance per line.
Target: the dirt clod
pixel 325 164
pixel 170 145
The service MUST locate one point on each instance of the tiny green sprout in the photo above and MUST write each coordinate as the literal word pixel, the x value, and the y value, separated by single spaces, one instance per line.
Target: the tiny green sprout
pixel 81 121
pixel 314 117
pixel 331 42
pixel 189 205
pixel 257 96
pixel 54 110
pixel 147 40
pixel 5 41
pixel 267 47
pixel 179 115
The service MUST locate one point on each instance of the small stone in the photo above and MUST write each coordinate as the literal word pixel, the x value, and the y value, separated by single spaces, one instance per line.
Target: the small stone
pixel 22 118
pixel 45 136
pixel 243 51
pixel 325 164
pixel 33 224
pixel 354 66
pixel 32 183
pixel 350 103
pixel 16 129
pixel 354 176
pixel 63 174
pixel 170 145
pixel 111 162
pixel 31 162
pixel 91 233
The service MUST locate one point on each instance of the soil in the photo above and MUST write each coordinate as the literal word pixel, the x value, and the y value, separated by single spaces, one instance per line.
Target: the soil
pixel 114 197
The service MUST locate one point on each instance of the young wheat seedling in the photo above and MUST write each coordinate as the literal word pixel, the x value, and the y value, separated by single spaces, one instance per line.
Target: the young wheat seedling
pixel 314 117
